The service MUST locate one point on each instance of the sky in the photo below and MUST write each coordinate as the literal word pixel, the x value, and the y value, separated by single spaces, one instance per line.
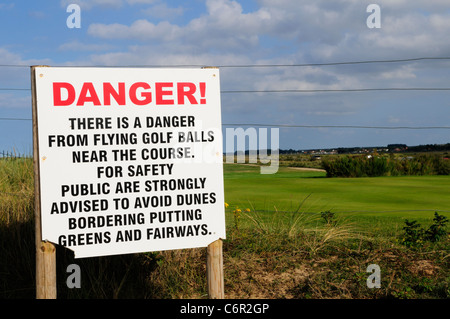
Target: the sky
pixel 278 36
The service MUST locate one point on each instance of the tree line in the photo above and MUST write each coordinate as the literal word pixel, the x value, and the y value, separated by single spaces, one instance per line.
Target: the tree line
pixel 371 166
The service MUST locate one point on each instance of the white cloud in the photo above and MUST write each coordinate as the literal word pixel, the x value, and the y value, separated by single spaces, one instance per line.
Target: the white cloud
pixel 162 11
pixel 17 77
pixel 10 58
pixel 114 4
pixel 89 4
pixel 132 2
pixel 225 27
pixel 140 29
pixel 79 46
pixel 6 6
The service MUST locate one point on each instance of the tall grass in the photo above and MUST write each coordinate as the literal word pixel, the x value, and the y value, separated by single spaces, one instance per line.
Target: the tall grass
pixel 307 230
pixel 16 189
pixel 16 227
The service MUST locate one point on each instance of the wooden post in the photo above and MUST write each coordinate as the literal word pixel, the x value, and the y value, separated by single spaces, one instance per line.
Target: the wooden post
pixel 45 270
pixel 214 261
pixel 45 251
pixel 214 270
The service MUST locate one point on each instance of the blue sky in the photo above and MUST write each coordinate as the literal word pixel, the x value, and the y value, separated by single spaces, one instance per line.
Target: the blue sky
pixel 225 32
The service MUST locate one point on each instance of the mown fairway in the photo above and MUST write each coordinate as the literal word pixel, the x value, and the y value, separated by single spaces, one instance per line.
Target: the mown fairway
pixel 366 200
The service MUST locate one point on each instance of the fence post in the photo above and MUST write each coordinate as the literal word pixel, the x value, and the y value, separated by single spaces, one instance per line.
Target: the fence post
pixel 214 261
pixel 214 270
pixel 45 251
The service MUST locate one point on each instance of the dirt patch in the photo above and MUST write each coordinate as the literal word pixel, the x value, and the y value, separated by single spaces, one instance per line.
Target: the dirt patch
pixel 271 277
pixel 267 284
pixel 424 268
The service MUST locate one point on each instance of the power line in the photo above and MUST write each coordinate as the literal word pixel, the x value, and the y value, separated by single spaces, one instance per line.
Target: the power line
pixel 14 89
pixel 14 119
pixel 335 90
pixel 14 66
pixel 343 126
pixel 302 126
pixel 256 65
pixel 334 63
pixel 301 91
pixel 279 65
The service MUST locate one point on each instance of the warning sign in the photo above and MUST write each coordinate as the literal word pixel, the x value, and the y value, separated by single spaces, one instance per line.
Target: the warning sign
pixel 130 160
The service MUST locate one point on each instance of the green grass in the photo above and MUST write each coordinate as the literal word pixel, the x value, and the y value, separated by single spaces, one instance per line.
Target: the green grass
pixel 370 201
pixel 322 261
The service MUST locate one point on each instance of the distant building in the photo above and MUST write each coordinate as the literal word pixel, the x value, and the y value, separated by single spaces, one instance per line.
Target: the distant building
pixel 397 147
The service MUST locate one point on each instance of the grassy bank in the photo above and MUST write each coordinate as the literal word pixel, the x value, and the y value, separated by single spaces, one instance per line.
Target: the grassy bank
pixel 283 247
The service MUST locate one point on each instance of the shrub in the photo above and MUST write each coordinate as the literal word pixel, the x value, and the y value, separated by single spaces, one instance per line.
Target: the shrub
pixel 437 230
pixel 329 217
pixel 363 166
pixel 415 236
pixel 359 166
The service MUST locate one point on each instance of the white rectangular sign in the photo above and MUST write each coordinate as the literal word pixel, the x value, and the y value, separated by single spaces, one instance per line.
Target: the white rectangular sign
pixel 130 159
